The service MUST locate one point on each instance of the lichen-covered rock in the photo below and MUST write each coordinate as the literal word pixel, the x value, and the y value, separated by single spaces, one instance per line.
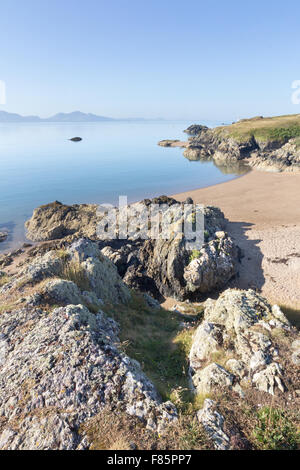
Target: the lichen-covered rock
pixel 100 272
pixel 269 378
pixel 213 423
pixel 214 266
pixel 61 291
pixel 158 266
pixel 81 263
pixel 207 341
pixel 167 262
pixel 212 376
pixel 60 368
pixel 238 327
pixel 57 220
pixel 296 352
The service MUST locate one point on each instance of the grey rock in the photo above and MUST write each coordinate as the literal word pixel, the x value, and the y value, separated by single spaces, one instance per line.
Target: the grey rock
pixel 158 267
pixel 230 325
pixel 213 423
pixel 152 303
pixel 100 272
pixel 210 144
pixel 214 267
pixel 206 341
pixel 3 236
pixel 212 376
pixel 83 256
pixel 61 368
pixel 269 378
pixel 296 352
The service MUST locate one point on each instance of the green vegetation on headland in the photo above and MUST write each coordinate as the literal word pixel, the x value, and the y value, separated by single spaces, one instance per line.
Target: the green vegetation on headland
pixel 271 143
pixel 278 128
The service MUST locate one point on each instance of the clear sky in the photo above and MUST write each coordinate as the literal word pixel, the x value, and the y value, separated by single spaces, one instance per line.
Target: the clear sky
pixel 177 59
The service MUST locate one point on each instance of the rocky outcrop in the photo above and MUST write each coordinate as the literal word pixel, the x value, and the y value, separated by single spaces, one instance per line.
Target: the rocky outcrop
pixel 61 361
pixel 240 329
pixel 68 274
pixel 244 142
pixel 213 423
pixel 195 129
pixel 214 266
pixel 168 268
pixel 171 143
pixel 57 220
pixel 3 236
pixel 62 365
pixel 223 149
pixel 60 368
pixel 159 267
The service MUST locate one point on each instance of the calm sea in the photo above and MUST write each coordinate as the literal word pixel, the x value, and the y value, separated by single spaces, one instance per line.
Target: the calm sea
pixel 39 165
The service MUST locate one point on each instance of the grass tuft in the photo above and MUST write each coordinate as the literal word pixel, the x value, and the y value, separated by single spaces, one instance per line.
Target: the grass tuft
pixel 274 430
pixel 73 271
pixel 194 255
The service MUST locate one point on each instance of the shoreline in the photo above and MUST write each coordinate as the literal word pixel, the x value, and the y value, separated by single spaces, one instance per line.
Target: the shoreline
pixel 19 244
pixel 263 217
pixel 263 213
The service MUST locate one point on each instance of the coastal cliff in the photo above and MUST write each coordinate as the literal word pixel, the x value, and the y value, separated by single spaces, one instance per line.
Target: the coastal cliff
pixel 271 144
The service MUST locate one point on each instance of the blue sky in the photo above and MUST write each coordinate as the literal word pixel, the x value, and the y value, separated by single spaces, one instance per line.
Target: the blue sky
pixel 190 59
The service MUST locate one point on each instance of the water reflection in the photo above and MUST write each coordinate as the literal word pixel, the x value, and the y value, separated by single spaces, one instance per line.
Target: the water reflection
pixel 228 168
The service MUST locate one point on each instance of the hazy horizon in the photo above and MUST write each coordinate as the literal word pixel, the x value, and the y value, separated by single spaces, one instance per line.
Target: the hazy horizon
pixel 197 61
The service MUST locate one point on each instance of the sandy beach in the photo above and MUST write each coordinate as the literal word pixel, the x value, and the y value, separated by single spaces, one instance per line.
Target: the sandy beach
pixel 263 212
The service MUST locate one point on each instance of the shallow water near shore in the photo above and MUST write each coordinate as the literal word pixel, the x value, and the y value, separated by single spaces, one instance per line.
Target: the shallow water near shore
pixel 39 165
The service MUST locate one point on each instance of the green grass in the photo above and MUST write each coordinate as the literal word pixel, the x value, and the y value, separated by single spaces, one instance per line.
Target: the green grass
pixel 275 431
pixel 194 255
pixel 72 271
pixel 155 339
pixel 279 129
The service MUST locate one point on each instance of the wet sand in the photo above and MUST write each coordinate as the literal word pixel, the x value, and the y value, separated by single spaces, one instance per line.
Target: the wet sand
pixel 263 212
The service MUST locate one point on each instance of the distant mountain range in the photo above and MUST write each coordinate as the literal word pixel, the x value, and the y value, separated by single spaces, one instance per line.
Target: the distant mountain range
pixel 76 116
